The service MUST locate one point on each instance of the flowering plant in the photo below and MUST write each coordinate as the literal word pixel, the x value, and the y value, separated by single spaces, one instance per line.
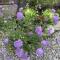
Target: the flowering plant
pixel 28 36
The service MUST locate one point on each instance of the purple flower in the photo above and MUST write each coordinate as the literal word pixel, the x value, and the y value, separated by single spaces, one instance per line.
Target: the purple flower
pixel 55 19
pixel 20 15
pixel 39 52
pixel 39 30
pixel 5 41
pixel 45 43
pixel 53 10
pixel 21 53
pixel 25 55
pixel 50 30
pixel 18 43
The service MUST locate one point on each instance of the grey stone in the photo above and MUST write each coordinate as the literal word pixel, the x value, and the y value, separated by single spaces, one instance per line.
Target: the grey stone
pixel 57 27
pixel 9 10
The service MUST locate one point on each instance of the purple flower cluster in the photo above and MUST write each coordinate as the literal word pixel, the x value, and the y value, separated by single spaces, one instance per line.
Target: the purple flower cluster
pixel 53 10
pixel 45 43
pixel 55 19
pixel 39 30
pixel 40 51
pixel 20 15
pixel 23 55
pixel 50 30
pixel 18 43
pixel 19 51
pixel 5 41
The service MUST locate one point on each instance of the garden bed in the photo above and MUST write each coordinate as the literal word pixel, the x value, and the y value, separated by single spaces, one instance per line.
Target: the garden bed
pixel 30 31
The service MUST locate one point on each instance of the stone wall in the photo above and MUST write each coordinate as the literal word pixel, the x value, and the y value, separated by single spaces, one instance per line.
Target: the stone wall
pixel 8 10
pixel 7 1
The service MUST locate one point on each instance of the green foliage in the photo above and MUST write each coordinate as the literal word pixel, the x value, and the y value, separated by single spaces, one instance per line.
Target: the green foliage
pixel 48 15
pixel 58 11
pixel 29 13
pixel 51 2
pixel 19 29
